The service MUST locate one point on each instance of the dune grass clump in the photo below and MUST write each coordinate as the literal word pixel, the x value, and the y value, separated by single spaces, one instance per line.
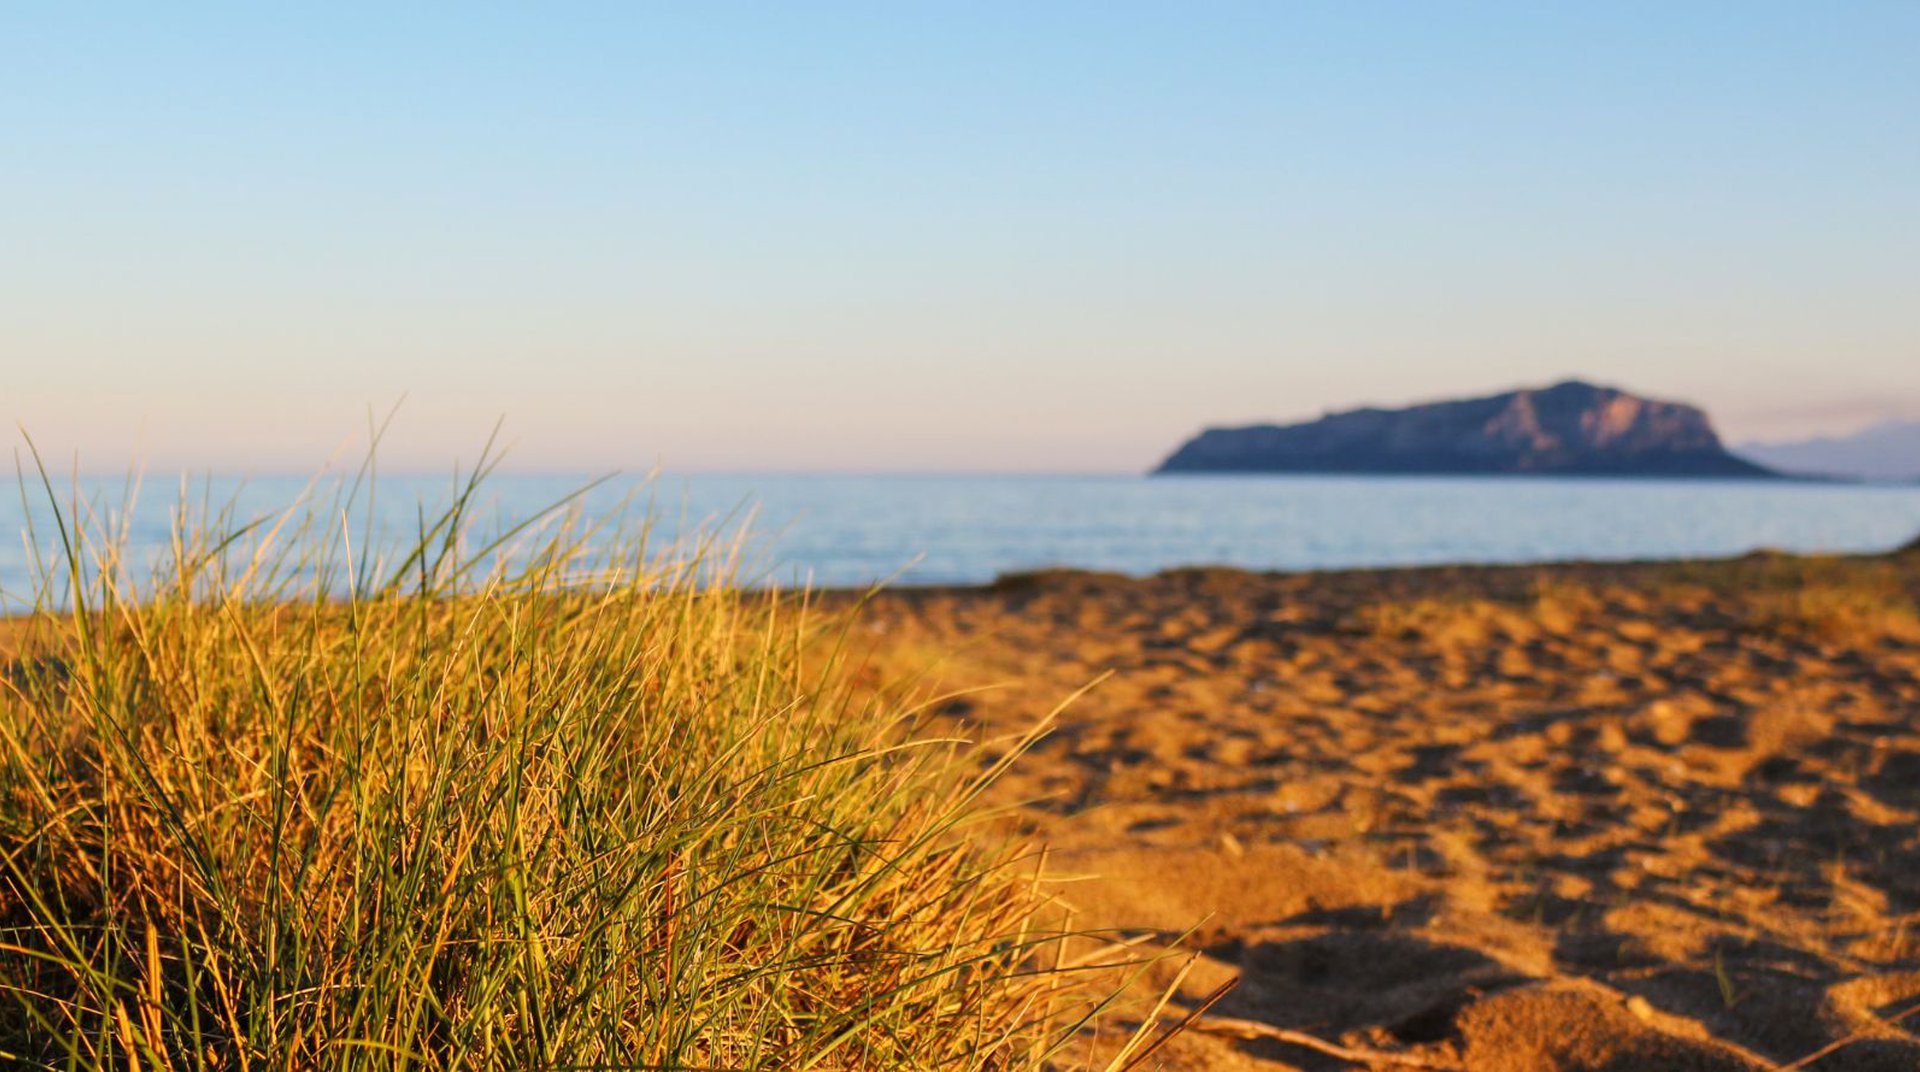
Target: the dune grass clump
pixel 577 806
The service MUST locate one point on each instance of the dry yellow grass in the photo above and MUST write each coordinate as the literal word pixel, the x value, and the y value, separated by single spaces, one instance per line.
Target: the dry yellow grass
pixel 580 805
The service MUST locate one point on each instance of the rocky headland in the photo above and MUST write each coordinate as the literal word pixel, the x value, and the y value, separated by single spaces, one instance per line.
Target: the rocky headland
pixel 1571 428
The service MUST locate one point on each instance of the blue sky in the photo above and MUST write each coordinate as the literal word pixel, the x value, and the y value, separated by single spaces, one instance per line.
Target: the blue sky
pixel 967 236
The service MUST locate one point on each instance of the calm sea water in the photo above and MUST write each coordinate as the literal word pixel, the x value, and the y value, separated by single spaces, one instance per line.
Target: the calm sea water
pixel 855 530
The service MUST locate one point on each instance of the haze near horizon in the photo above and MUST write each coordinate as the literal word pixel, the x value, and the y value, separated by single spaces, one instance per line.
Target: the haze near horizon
pixel 946 238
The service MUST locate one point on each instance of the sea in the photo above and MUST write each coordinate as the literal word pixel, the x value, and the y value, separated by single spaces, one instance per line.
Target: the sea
pixel 859 530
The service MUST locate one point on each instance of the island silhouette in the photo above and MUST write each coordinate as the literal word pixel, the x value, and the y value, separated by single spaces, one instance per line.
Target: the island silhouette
pixel 1571 428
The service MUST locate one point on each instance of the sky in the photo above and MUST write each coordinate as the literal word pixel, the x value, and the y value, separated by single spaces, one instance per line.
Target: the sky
pixel 948 237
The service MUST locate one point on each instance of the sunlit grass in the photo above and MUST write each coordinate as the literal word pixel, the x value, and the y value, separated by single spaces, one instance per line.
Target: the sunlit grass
pixel 289 804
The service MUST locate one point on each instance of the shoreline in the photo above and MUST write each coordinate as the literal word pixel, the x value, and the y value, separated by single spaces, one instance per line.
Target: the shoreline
pixel 1456 570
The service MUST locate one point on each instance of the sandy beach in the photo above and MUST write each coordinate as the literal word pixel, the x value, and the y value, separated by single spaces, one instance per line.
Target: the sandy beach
pixel 1573 817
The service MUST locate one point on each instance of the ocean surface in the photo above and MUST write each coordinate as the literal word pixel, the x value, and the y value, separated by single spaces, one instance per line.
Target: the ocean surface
pixel 832 530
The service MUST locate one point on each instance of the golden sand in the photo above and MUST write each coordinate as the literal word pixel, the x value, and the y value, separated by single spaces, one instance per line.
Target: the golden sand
pixel 1581 817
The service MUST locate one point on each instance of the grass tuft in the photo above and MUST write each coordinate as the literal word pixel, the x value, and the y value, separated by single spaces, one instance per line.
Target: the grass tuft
pixel 292 805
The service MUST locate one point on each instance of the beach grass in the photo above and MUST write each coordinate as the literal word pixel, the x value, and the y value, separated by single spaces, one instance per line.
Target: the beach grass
pixel 562 800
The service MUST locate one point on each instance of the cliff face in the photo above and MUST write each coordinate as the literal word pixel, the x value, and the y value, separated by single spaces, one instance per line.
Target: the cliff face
pixel 1570 428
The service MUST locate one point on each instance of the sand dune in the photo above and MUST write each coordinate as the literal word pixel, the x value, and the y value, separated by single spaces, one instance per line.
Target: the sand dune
pixel 1586 817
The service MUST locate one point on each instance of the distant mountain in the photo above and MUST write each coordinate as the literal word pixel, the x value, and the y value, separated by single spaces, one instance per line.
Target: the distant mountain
pixel 1888 451
pixel 1570 428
